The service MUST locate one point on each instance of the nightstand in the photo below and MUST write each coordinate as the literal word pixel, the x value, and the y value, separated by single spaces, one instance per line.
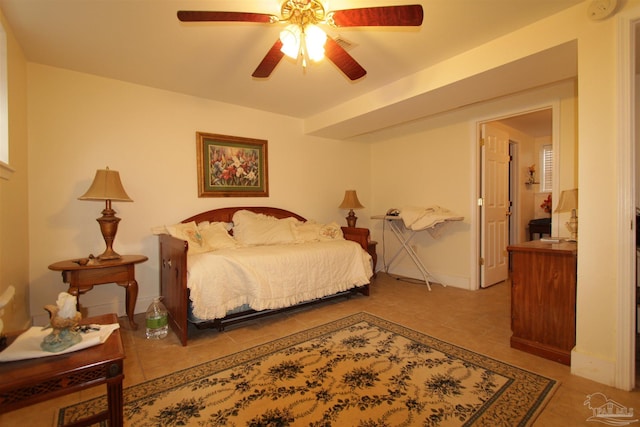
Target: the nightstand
pixel 82 278
pixel 371 248
pixel 362 236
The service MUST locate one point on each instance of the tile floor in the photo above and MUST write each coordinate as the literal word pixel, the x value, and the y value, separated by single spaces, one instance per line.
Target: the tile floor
pixel 478 321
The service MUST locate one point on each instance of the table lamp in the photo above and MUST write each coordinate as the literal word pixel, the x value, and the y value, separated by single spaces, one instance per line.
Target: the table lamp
pixel 351 202
pixel 107 186
pixel 569 203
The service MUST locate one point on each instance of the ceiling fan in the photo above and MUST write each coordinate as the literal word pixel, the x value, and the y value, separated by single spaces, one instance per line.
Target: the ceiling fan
pixel 302 38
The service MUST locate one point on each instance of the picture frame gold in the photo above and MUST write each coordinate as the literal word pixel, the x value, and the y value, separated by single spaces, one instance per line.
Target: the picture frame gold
pixel 231 166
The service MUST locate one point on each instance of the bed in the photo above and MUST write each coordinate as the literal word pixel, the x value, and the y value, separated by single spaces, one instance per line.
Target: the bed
pixel 255 276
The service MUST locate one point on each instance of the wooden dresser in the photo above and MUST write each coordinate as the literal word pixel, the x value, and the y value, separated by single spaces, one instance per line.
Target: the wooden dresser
pixel 543 298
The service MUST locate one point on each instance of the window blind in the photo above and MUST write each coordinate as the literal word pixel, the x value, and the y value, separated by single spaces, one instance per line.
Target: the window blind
pixel 547 167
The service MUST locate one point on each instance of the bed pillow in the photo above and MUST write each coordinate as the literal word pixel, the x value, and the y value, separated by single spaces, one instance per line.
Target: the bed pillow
pixel 307 231
pixel 216 236
pixel 250 228
pixel 331 231
pixel 312 231
pixel 189 232
pixel 204 224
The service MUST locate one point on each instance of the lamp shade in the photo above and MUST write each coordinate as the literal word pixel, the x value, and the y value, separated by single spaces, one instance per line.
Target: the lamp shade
pixel 106 186
pixel 350 201
pixel 568 201
pixel 315 39
pixel 290 38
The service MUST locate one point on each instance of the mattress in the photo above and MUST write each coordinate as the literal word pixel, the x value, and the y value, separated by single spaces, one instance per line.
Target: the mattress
pixel 273 276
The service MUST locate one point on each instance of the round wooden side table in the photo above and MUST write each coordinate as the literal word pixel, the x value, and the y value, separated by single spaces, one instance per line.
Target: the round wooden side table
pixel 82 278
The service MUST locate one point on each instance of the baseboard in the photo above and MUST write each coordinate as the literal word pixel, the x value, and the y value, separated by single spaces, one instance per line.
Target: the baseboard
pixel 592 368
pixel 443 279
pixel 542 350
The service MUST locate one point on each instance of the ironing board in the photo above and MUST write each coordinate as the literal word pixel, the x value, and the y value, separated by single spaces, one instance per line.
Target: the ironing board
pixel 412 220
pixel 404 236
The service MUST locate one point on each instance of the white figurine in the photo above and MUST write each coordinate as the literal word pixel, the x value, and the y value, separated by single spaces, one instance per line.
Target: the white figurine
pixel 63 320
pixel 6 297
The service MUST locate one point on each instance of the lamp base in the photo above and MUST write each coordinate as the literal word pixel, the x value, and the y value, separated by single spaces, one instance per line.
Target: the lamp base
pixel 572 226
pixel 109 227
pixel 351 219
pixel 109 254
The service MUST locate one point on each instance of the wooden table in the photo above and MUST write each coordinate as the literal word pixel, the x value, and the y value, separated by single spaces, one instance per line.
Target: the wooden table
pixel 543 298
pixel 82 278
pixel 540 226
pixel 26 382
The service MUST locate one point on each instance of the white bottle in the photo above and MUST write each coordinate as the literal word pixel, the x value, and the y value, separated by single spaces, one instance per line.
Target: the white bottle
pixel 157 324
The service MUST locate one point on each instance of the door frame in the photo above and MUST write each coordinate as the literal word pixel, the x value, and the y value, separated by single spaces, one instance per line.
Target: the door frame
pixel 624 376
pixel 476 171
pixel 514 194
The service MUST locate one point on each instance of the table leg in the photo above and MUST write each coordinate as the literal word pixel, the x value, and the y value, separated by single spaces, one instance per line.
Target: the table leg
pixel 76 291
pixel 132 295
pixel 115 402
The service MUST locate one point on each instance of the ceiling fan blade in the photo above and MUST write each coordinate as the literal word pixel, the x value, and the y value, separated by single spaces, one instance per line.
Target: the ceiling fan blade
pixel 269 62
pixel 343 60
pixel 207 16
pixel 398 16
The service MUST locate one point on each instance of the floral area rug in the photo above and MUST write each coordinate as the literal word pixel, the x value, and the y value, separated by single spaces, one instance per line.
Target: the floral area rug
pixel 358 371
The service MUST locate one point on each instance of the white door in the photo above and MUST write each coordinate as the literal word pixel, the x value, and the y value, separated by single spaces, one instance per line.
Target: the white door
pixel 495 208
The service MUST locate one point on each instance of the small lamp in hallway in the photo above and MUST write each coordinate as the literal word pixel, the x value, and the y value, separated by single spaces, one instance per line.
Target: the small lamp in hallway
pixel 569 203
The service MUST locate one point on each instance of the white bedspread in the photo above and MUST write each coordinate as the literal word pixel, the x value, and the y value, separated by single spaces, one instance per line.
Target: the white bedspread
pixel 274 276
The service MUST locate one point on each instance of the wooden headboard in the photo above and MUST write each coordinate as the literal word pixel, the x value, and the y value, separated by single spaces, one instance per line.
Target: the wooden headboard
pixel 226 214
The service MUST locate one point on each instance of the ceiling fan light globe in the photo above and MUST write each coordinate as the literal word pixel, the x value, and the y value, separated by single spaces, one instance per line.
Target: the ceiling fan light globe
pixel 315 35
pixel 315 39
pixel 316 53
pixel 290 38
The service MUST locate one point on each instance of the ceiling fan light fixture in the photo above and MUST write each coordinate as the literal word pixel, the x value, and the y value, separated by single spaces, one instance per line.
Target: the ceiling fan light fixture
pixel 308 42
pixel 302 40
pixel 290 38
pixel 315 39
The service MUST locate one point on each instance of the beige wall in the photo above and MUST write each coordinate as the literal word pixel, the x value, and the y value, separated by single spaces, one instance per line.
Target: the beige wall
pixel 595 354
pixel 79 123
pixel 14 232
pixel 430 162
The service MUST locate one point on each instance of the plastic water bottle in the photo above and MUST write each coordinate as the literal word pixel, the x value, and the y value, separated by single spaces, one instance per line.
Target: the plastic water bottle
pixel 157 324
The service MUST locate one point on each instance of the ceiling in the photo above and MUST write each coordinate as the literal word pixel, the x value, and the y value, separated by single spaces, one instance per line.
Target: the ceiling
pixel 537 124
pixel 142 41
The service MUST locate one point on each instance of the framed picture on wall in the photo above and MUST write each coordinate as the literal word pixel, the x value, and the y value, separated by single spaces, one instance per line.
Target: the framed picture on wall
pixel 231 166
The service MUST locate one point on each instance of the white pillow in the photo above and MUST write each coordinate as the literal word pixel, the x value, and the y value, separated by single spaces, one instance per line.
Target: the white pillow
pixel 331 231
pixel 189 232
pixel 312 231
pixel 250 228
pixel 307 231
pixel 216 236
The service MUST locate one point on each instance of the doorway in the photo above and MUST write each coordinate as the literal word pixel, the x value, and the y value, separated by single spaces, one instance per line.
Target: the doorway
pixel 511 147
